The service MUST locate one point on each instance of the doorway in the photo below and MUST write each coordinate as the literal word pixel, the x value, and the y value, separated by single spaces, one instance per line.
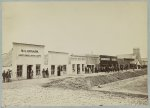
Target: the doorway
pixel 19 70
pixel 78 68
pixel 92 68
pixel 58 70
pixel 52 69
pixel 29 72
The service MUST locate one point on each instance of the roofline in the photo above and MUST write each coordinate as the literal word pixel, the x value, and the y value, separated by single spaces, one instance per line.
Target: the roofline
pixel 125 58
pixel 57 52
pixel 129 58
pixel 90 55
pixel 28 44
pixel 125 54
pixel 108 56
pixel 120 56
pixel 78 55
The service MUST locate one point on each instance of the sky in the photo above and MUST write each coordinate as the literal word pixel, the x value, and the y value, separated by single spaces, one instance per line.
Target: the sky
pixel 98 27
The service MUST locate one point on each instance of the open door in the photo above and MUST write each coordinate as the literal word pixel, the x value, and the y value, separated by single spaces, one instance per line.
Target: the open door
pixel 58 70
pixel 29 72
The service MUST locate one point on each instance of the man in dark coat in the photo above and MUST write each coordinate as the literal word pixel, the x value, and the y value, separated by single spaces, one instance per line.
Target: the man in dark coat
pixel 9 75
pixel 31 74
pixel 4 75
pixel 47 73
pixel 43 73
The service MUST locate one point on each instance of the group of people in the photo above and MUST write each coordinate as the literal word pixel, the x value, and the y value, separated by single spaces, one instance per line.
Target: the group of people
pixel 115 68
pixel 45 73
pixel 107 68
pixel 88 70
pixel 92 70
pixel 6 76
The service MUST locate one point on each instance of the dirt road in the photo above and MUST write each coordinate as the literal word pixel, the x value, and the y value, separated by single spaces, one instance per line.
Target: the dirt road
pixel 136 85
pixel 31 93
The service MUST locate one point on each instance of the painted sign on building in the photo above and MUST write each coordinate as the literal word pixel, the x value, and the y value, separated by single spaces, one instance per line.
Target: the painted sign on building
pixel 29 52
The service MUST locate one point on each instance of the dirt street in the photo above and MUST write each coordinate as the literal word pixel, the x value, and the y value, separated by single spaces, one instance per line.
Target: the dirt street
pixel 31 93
pixel 135 85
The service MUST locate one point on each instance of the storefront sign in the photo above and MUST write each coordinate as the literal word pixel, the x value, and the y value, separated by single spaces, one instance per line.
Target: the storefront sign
pixel 32 51
pixel 105 58
pixel 29 53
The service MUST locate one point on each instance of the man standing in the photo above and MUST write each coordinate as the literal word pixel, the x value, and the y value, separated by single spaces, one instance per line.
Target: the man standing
pixel 6 77
pixel 31 73
pixel 9 75
pixel 3 75
pixel 47 72
pixel 43 73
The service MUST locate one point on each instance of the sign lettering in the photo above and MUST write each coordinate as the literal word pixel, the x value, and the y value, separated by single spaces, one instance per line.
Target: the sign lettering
pixel 29 53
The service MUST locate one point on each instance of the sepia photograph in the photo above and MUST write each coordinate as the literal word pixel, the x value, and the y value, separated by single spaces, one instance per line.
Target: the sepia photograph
pixel 74 53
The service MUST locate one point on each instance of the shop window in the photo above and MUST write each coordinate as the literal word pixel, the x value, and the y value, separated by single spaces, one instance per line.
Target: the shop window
pixel 19 70
pixel 38 69
pixel 82 67
pixel 73 67
pixel 64 67
pixel 52 69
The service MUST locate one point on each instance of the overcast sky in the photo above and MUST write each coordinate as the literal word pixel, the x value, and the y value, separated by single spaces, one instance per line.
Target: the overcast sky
pixel 77 27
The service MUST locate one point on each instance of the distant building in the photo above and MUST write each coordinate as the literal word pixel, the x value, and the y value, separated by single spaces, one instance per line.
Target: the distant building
pixel 125 60
pixel 77 64
pixel 106 60
pixel 92 62
pixel 58 63
pixel 130 61
pixel 144 62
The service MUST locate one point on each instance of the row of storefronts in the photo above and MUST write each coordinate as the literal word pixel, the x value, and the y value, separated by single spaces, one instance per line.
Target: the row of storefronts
pixel 28 61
